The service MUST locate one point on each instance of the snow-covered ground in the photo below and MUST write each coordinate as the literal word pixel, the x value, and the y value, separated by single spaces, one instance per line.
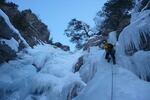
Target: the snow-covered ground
pixel 38 73
pixel 46 73
pixel 126 85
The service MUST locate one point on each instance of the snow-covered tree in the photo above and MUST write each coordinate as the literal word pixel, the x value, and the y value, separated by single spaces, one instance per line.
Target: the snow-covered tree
pixel 78 32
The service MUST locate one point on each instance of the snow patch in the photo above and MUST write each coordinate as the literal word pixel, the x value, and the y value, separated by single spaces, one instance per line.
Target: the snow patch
pixel 12 43
pixel 41 72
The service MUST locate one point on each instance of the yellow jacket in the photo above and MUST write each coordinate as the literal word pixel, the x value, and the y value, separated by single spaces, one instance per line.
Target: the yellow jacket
pixel 108 46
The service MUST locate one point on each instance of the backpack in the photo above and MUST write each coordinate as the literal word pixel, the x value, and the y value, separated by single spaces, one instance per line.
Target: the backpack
pixel 109 47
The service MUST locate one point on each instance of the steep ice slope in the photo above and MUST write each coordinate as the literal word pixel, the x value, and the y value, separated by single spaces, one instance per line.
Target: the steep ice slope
pixel 40 73
pixel 126 86
pixel 45 73
pixel 134 45
pixel 136 36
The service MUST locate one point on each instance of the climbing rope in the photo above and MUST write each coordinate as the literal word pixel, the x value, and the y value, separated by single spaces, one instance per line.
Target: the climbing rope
pixel 112 83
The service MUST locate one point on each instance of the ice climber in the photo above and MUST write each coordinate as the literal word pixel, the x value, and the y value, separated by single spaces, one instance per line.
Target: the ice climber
pixel 110 51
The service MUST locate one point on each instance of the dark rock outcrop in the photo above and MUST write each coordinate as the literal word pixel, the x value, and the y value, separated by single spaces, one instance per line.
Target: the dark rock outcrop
pixel 61 46
pixel 29 27
pixel 65 48
pixel 73 91
pixel 123 23
pixel 6 52
pixel 78 64
pixel 28 24
pixel 5 31
pixel 34 30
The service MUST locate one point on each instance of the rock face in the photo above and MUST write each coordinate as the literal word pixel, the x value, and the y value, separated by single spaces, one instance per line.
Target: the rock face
pixel 32 29
pixel 78 65
pixel 25 29
pixel 94 41
pixel 29 30
pixel 124 22
pixel 63 47
pixel 6 53
pixel 137 32
pixel 10 42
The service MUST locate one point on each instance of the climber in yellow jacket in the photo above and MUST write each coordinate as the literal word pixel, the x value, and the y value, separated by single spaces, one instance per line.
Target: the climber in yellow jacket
pixel 110 52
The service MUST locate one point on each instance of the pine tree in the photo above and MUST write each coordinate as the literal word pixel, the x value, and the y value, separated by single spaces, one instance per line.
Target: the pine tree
pixel 114 12
pixel 78 32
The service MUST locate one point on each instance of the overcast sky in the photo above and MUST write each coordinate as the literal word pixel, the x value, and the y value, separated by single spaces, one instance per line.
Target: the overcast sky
pixel 57 13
